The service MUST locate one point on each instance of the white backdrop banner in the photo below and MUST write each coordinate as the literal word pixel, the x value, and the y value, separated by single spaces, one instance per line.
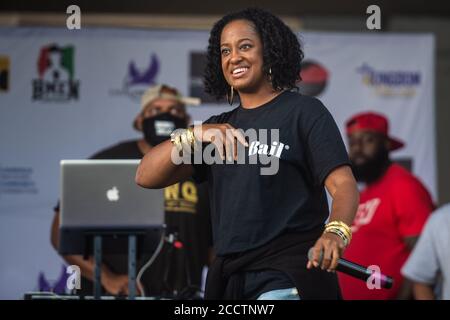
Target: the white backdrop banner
pixel 66 94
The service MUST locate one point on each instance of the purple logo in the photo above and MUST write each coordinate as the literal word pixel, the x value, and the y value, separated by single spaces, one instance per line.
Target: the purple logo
pixel 147 77
pixel 58 286
pixel 138 80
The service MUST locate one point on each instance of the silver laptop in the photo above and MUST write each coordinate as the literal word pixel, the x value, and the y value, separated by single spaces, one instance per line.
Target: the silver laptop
pixel 103 194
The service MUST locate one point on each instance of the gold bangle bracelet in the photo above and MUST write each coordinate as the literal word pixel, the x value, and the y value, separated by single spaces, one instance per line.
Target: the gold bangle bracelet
pixel 339 224
pixel 186 141
pixel 341 230
pixel 191 136
pixel 190 130
pixel 176 140
pixel 340 234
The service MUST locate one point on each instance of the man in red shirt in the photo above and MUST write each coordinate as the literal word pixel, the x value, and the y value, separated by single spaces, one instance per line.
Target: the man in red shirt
pixel 394 206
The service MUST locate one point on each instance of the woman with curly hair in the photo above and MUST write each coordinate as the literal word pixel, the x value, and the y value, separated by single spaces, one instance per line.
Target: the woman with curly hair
pixel 265 223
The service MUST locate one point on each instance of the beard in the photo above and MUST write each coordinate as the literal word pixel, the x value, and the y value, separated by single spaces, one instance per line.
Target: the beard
pixel 372 168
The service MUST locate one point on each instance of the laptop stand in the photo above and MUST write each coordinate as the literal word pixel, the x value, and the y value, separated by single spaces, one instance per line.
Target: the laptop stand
pixel 132 251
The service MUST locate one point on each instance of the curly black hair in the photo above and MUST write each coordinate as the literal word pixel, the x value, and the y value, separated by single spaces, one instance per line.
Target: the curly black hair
pixel 282 53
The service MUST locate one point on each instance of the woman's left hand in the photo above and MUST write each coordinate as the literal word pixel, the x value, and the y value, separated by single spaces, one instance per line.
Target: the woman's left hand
pixel 330 246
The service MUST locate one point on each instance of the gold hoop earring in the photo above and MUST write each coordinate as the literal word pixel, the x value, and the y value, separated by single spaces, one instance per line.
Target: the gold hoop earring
pixel 231 96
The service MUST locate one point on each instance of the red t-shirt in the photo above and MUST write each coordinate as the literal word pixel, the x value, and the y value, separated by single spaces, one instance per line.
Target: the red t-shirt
pixel 394 207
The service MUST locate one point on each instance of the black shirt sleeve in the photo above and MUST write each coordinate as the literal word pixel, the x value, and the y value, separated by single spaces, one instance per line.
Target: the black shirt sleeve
pixel 325 149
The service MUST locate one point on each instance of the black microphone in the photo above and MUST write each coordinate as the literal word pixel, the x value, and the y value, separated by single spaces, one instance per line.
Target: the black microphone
pixel 358 271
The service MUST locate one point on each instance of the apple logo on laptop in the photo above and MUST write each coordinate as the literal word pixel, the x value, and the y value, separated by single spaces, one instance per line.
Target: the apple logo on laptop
pixel 113 194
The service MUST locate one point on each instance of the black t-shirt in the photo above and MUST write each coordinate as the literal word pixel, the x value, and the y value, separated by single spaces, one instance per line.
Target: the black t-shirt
pixel 249 209
pixel 123 150
pixel 186 214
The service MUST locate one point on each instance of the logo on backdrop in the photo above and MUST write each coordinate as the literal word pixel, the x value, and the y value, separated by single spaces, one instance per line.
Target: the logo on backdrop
pixel 196 87
pixel 56 70
pixel 314 78
pixel 137 80
pixel 4 73
pixel 56 286
pixel 390 83
pixel 17 180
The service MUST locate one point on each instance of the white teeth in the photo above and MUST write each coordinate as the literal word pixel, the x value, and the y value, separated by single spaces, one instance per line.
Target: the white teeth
pixel 239 70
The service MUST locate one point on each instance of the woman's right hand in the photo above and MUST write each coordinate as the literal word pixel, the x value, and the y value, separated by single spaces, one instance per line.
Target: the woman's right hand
pixel 224 136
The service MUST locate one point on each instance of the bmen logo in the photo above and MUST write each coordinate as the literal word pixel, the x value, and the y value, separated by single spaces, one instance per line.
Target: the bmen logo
pixel 56 70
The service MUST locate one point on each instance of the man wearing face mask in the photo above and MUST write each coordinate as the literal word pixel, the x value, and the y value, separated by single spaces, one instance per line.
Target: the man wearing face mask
pixel 179 265
pixel 394 206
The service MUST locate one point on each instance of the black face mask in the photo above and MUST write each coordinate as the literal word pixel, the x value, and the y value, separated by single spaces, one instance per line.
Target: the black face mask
pixel 157 129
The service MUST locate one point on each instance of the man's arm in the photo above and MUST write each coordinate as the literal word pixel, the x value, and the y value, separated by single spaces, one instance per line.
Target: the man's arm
pixel 410 242
pixel 113 283
pixel 423 291
pixel 413 206
pixel 406 290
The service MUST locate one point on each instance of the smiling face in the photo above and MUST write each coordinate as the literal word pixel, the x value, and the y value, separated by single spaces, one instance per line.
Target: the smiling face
pixel 241 52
